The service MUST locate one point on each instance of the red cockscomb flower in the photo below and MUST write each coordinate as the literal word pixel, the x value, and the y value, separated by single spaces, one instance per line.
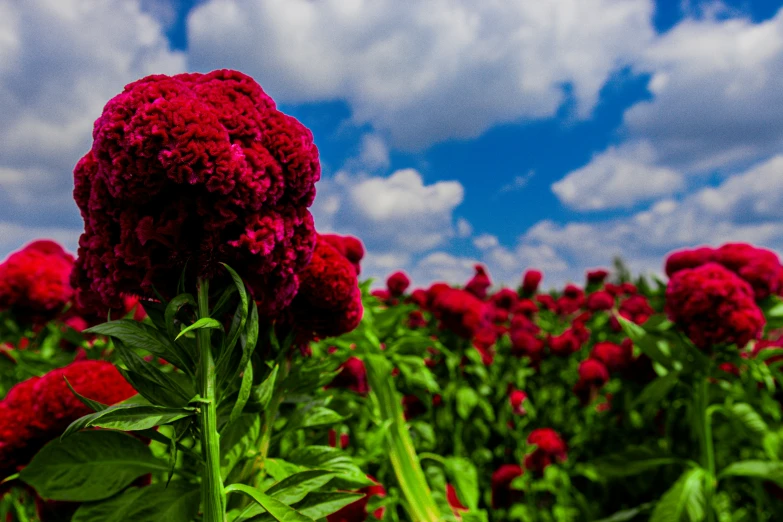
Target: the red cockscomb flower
pixel 397 283
pixel 193 170
pixel 502 494
pixel 600 300
pixel 350 247
pixel 596 277
pixel 615 357
pixel 35 281
pixel 550 447
pixel 479 284
pixel 329 301
pixel 41 408
pixel 517 398
pixel 530 282
pixel 566 343
pixel 459 311
pixel 713 306
pixel 505 299
pixel 352 376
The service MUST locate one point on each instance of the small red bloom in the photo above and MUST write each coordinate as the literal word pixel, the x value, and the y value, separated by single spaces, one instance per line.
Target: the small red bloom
pixel 397 283
pixel 352 376
pixel 517 398
pixel 479 284
pixel 600 300
pixel 505 298
pixel 357 511
pixel 550 447
pixel 531 281
pixel 615 357
pixel 596 277
pixel 502 494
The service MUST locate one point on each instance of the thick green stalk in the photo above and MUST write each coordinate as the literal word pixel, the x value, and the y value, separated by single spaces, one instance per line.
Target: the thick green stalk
pixel 402 454
pixel 705 439
pixel 212 494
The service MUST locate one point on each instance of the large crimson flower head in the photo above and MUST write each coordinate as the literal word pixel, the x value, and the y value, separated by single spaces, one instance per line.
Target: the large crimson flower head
pixel 329 301
pixel 713 306
pixel 35 281
pixel 40 409
pixel 191 171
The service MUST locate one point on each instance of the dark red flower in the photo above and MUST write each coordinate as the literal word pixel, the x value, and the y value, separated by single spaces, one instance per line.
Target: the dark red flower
pixel 35 281
pixel 713 306
pixel 329 301
pixel 596 277
pixel 459 311
pixel 517 398
pixel 550 447
pixel 419 297
pixel 382 294
pixel 505 299
pixel 615 357
pixel 350 247
pixel 572 300
pixel 526 307
pixel 416 320
pixel 565 344
pixel 39 409
pixel 344 439
pixel 412 407
pixel 685 259
pixel 352 376
pixel 502 494
pixel 397 283
pixel 479 284
pixel 530 282
pixel 600 300
pixel 193 170
pixel 548 302
pixel 636 309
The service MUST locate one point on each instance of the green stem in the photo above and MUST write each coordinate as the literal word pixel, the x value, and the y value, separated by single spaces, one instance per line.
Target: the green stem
pixel 212 494
pixel 707 450
pixel 270 413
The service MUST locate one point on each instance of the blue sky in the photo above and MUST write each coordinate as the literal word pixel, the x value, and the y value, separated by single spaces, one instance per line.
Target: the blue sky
pixel 553 135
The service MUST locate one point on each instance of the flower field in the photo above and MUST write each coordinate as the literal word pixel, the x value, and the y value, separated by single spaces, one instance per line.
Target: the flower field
pixel 208 355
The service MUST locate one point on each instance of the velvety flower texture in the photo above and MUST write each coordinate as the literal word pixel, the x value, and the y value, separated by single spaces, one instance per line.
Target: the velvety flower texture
pixel 39 409
pixel 713 306
pixel 502 494
pixel 397 283
pixel 350 247
pixel 459 311
pixel 329 301
pixel 35 281
pixel 197 169
pixel 550 447
pixel 758 266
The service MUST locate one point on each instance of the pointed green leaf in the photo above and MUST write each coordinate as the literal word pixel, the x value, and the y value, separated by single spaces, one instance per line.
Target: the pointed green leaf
pixel 93 405
pixel 274 507
pixel 684 500
pixel 128 417
pixel 203 323
pixel 244 392
pixel 296 487
pixel 177 502
pixel 761 469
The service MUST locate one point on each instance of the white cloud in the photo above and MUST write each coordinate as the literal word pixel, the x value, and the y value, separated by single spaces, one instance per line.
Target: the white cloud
pixel 717 93
pixel 464 228
pixel 13 236
pixel 617 177
pixel 485 241
pixel 429 71
pixel 62 60
pixel 518 183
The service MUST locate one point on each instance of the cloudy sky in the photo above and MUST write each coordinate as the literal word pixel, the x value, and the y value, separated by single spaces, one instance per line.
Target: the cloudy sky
pixel 552 134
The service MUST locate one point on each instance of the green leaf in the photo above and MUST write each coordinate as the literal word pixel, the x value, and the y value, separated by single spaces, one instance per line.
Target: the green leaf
pixel 274 507
pixel 154 385
pixel 332 459
pixel 141 336
pixel 236 440
pixel 646 342
pixel 467 399
pixel 313 417
pixel 762 469
pixel 244 392
pixel 179 502
pixel 627 514
pixel 633 461
pixel 464 477
pixel 684 500
pixel 317 505
pixel 240 316
pixel 749 418
pixel 203 323
pixel 173 308
pixel 128 417
pixel 88 466
pixel 232 361
pixel 296 487
pixel 279 469
pixel 657 390
pixel 262 393
pixel 93 405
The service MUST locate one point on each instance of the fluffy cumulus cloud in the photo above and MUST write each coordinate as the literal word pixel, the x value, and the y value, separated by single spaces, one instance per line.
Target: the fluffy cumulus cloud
pixel 716 104
pixel 61 61
pixel 397 216
pixel 433 70
pixel 745 207
pixel 618 177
